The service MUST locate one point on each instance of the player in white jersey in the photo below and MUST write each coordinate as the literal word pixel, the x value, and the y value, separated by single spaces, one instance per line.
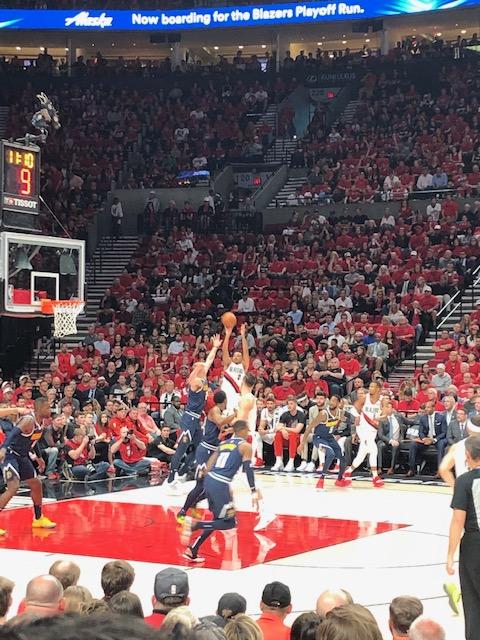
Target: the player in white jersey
pixel 367 411
pixel 234 368
pixel 247 405
pixel 269 417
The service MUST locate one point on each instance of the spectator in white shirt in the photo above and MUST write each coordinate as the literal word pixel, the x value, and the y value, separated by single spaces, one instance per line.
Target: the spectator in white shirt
pixel 102 345
pixel 246 304
pixel 434 209
pixel 176 346
pixel 344 301
pixel 425 180
pixel 325 303
pixel 181 134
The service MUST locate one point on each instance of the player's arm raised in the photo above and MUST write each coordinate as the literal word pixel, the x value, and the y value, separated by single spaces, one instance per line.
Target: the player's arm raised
pixel 216 343
pixel 225 353
pixel 246 451
pixel 245 351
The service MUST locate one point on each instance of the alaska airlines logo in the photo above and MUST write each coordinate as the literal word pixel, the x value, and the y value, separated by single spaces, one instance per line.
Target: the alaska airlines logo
pixel 84 19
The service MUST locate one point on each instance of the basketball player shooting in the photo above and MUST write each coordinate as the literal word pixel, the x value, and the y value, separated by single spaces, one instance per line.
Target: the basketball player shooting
pixel 235 367
pixel 17 457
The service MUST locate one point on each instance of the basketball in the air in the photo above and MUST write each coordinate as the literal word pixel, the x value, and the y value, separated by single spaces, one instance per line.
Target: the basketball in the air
pixel 229 320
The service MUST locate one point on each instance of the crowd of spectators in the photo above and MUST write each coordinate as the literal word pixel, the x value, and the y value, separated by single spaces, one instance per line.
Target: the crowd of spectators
pixel 115 138
pixel 403 140
pixel 56 605
pixel 330 304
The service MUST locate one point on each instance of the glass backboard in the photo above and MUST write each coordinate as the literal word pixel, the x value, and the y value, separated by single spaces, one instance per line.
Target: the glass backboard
pixel 36 267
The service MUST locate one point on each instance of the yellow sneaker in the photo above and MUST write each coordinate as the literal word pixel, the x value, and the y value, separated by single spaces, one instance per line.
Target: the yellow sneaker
pixel 454 596
pixel 43 523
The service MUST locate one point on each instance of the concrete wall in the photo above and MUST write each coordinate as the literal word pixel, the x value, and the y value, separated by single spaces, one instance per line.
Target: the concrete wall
pixel 266 193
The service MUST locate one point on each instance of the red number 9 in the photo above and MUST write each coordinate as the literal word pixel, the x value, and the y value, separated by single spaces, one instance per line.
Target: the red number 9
pixel 25 181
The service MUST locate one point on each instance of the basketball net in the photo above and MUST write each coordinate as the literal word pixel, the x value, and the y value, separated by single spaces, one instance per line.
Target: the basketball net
pixel 65 313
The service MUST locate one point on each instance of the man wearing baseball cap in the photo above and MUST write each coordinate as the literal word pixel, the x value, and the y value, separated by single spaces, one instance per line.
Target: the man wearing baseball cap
pixel 230 605
pixel 170 591
pixel 275 605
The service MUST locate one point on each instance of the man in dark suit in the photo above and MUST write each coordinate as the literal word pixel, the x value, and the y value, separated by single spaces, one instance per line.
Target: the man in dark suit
pixel 93 393
pixel 432 432
pixel 457 428
pixel 391 431
pixel 406 285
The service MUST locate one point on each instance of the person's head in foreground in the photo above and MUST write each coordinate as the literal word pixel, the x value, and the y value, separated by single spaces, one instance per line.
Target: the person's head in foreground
pixel 349 622
pixel 305 626
pixel 426 629
pixel 331 598
pixel 402 612
pixel 170 590
pixel 242 627
pixel 276 599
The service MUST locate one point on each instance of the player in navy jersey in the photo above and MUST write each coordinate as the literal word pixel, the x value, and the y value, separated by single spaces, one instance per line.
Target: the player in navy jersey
pixel 16 460
pixel 230 456
pixel 324 428
pixel 191 434
pixel 217 426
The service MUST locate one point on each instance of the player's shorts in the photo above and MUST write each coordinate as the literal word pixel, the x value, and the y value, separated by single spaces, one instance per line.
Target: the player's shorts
pixel 204 451
pixel 219 498
pixel 17 468
pixel 190 426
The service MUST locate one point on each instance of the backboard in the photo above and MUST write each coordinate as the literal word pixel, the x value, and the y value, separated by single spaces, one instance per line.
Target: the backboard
pixel 35 267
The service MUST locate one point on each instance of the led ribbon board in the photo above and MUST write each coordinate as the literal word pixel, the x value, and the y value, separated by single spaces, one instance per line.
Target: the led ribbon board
pixel 209 18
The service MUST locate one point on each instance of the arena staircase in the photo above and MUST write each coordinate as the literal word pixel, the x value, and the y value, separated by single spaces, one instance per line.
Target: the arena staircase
pixel 464 303
pixel 106 264
pixel 283 148
pixel 291 185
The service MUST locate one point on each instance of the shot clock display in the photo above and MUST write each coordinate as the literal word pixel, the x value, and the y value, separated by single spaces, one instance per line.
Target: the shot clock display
pixel 20 181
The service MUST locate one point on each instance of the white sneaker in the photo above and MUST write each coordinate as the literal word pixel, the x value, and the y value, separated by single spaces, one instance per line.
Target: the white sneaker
pixel 310 468
pixel 278 466
pixel 266 517
pixel 303 466
pixel 290 465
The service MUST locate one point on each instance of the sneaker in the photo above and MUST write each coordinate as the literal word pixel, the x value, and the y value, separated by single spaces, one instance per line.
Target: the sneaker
pixel 347 473
pixel 302 466
pixel 188 555
pixel 258 464
pixel 43 523
pixel 278 466
pixel 111 471
pixel 52 476
pixel 187 528
pixel 377 482
pixel 180 518
pixel 320 484
pixel 266 517
pixel 336 468
pixel 454 596
pixel 310 468
pixel 344 482
pixel 290 466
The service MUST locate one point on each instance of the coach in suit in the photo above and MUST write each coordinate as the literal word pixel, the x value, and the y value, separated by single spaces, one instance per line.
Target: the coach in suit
pixel 432 432
pixel 378 352
pixel 391 431
pixel 457 427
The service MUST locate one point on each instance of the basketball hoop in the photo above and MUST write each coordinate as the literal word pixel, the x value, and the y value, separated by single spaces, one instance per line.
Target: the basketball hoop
pixel 65 314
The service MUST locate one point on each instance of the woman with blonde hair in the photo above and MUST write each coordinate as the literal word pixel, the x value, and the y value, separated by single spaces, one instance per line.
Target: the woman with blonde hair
pixel 180 618
pixel 242 627
pixel 349 622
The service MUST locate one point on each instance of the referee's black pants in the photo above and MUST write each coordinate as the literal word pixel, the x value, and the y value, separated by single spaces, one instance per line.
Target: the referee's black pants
pixel 469 571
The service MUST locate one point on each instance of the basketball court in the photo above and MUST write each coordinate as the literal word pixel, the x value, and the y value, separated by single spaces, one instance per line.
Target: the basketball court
pixel 377 543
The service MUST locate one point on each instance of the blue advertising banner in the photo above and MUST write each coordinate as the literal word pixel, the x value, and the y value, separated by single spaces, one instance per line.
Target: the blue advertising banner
pixel 242 16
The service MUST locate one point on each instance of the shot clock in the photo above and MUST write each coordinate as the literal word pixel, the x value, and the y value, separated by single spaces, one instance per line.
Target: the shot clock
pixel 20 179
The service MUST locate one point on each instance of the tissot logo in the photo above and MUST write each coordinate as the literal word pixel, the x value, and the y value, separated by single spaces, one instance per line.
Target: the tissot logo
pixel 84 19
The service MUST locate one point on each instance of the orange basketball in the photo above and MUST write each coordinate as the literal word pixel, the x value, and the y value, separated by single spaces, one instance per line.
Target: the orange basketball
pixel 229 320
